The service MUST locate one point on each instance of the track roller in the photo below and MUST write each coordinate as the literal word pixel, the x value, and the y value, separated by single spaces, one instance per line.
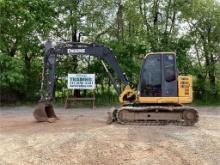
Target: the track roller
pixel 190 117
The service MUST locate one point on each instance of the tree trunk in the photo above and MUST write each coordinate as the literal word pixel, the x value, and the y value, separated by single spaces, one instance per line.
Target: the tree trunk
pixel 120 29
pixel 27 62
pixel 209 59
pixel 74 38
pixel 212 73
pixel 155 37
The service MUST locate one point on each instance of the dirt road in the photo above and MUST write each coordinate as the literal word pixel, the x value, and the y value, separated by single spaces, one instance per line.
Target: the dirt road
pixel 81 136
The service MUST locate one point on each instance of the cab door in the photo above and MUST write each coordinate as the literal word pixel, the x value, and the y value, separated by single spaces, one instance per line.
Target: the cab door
pixel 169 75
pixel 151 80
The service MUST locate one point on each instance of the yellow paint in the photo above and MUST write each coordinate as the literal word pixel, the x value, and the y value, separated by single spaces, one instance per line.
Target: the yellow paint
pixel 185 86
pixel 184 93
pixel 128 92
pixel 159 100
pixel 155 53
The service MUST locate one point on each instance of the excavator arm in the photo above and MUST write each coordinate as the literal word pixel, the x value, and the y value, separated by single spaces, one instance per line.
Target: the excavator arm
pixel 51 55
pixel 74 49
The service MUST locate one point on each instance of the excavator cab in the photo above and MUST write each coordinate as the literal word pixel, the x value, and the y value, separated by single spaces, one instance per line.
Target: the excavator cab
pixel 158 77
pixel 160 83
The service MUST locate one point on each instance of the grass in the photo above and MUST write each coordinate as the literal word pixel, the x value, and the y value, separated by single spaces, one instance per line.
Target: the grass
pixel 112 100
pixel 206 103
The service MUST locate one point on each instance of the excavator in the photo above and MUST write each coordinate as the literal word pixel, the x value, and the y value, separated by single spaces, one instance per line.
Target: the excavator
pixel 157 99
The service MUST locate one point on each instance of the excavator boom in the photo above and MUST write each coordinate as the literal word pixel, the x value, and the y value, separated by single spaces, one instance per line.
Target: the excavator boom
pixel 44 109
pixel 74 49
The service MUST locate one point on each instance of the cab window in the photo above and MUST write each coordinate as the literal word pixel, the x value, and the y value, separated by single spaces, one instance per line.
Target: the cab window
pixel 169 68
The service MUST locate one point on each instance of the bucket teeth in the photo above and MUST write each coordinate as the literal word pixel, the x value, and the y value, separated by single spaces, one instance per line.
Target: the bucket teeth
pixel 44 112
pixel 110 118
pixel 111 115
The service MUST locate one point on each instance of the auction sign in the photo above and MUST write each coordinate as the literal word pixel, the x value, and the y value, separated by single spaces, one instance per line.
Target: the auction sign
pixel 81 81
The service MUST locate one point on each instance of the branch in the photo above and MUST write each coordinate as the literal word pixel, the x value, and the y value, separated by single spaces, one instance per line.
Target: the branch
pixel 173 18
pixel 58 34
pixel 143 14
pixel 103 32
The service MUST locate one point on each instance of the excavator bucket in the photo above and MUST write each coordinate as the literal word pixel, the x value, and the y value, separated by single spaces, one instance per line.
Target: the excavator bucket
pixel 45 112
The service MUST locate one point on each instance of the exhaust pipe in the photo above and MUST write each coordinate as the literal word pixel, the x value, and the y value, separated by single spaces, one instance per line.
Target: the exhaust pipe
pixel 44 112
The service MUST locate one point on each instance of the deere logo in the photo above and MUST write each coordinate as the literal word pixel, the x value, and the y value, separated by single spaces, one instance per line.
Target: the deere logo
pixel 69 51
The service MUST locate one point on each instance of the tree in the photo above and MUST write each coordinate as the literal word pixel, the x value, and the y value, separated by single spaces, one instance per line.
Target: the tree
pixel 203 19
pixel 23 26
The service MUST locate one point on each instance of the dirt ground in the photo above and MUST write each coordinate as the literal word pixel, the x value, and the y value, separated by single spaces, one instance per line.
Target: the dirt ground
pixel 81 136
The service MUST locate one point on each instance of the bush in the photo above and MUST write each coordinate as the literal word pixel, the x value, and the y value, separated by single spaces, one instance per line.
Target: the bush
pixel 11 78
pixel 204 94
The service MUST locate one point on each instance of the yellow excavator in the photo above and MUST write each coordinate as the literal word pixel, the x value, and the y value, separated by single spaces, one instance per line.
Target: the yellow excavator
pixel 157 99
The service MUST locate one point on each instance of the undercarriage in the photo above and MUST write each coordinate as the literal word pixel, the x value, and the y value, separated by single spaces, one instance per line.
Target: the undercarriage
pixel 154 115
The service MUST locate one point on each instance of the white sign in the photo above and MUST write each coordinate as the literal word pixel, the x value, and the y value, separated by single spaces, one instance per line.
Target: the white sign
pixel 81 81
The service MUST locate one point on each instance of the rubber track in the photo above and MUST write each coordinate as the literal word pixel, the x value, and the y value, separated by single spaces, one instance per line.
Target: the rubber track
pixel 159 109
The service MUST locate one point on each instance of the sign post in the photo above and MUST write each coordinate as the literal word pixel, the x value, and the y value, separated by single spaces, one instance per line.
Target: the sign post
pixel 81 81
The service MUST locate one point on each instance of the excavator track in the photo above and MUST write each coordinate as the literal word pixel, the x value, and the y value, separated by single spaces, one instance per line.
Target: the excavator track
pixel 156 115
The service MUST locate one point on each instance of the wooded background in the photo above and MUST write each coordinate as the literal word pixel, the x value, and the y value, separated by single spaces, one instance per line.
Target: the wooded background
pixel 131 28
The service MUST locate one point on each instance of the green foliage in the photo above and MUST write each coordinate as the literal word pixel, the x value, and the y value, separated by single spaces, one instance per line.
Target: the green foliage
pixel 32 80
pixel 11 73
pixel 22 21
pixel 203 19
pixel 130 57
pixel 130 28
